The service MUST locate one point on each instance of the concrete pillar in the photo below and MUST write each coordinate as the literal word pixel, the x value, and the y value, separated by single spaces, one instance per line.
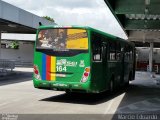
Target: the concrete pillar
pixel 151 57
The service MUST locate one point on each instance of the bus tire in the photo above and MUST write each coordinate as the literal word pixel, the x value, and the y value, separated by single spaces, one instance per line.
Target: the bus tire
pixel 129 78
pixel 68 92
pixel 127 83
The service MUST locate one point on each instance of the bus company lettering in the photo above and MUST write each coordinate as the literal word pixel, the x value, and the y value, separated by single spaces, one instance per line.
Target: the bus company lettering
pixel 64 62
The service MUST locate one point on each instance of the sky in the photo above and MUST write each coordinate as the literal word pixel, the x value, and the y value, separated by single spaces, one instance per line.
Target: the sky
pixel 93 13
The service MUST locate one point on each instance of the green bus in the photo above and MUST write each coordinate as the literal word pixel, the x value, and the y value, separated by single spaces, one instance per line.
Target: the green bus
pixel 81 59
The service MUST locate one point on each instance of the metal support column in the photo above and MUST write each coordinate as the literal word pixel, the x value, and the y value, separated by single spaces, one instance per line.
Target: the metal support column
pixel 151 57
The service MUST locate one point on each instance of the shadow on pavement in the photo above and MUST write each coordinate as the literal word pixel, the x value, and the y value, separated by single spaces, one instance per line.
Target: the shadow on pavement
pixel 137 98
pixel 83 98
pixel 15 77
pixel 142 98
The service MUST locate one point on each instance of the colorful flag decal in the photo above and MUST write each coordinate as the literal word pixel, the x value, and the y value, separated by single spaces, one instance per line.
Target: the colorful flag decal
pixel 48 67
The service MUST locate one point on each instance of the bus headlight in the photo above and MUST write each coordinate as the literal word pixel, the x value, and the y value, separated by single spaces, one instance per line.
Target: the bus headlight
pixel 85 74
pixel 36 72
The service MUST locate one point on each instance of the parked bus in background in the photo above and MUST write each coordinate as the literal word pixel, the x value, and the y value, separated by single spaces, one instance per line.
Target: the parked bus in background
pixel 81 59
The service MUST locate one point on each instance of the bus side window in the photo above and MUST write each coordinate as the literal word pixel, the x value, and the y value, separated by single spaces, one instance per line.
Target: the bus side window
pixel 112 51
pixel 127 53
pixel 104 51
pixel 118 51
pixel 97 52
pixel 131 53
pixel 96 47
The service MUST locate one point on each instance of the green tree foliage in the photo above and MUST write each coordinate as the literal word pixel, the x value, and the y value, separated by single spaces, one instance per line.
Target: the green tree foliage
pixel 48 18
pixel 14 44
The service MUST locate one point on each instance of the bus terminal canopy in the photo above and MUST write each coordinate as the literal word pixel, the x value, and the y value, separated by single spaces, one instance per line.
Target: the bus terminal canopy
pixel 16 20
pixel 140 19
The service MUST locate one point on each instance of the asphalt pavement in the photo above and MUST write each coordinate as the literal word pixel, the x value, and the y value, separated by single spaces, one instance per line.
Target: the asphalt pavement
pixel 18 96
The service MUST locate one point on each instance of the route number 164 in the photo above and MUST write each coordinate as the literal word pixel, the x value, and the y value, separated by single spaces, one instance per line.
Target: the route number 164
pixel 61 69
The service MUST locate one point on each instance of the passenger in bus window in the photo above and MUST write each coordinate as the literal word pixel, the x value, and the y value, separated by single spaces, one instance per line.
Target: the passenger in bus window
pixel 62 39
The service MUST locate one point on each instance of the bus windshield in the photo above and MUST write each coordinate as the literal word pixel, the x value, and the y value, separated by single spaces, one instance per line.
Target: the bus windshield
pixel 62 39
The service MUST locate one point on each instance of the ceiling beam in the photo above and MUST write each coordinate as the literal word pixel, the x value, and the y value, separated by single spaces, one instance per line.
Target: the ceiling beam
pixel 135 6
pixel 141 44
pixel 146 44
pixel 141 24
pixel 110 3
pixel 129 6
pixel 153 8
pixel 17 29
pixel 144 36
pixel 144 40
pixel 148 34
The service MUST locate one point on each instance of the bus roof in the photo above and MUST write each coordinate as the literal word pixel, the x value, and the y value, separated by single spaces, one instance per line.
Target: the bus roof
pixel 88 28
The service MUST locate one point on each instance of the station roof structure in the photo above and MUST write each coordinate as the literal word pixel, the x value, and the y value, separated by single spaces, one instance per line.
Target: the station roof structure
pixel 16 20
pixel 140 19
